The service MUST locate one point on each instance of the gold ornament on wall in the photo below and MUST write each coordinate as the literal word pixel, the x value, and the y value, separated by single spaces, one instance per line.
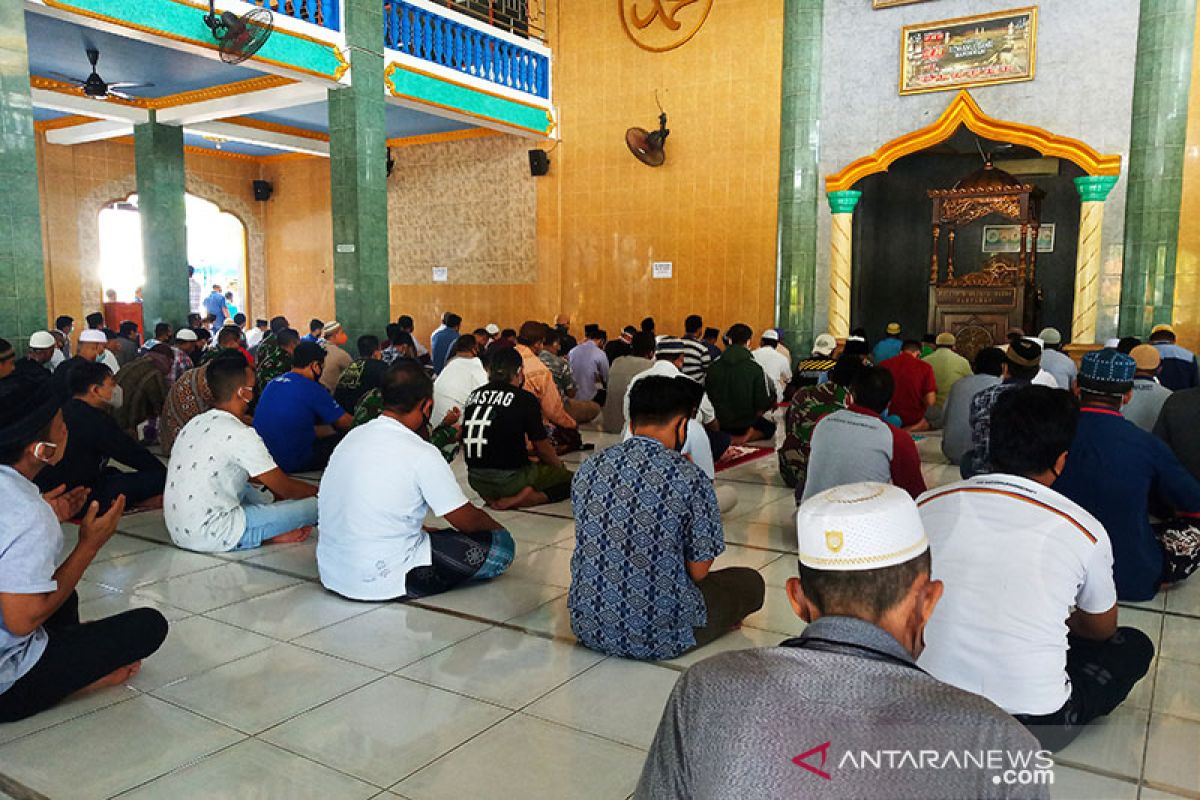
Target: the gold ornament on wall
pixel 662 25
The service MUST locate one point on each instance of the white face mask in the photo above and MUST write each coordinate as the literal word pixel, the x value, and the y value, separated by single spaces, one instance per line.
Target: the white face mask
pixel 118 397
pixel 39 451
pixel 242 396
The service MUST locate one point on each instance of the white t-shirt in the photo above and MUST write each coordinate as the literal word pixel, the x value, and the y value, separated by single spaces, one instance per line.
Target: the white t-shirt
pixel 110 361
pixel 1044 378
pixel 776 367
pixel 380 483
pixel 213 457
pixel 454 384
pixel 1015 557
pixel 697 446
pixel 56 358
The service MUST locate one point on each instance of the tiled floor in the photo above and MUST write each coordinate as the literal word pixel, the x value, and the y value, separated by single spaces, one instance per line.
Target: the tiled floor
pixel 269 687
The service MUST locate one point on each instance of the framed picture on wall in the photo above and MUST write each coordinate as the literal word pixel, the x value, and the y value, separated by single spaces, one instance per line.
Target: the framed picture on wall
pixel 1007 238
pixel 969 51
pixel 890 3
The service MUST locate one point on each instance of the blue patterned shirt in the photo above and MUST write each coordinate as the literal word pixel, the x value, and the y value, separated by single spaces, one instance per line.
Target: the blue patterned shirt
pixel 641 512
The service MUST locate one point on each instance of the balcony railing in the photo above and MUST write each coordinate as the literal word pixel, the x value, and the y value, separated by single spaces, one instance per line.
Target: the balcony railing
pixel 318 12
pixel 438 38
pixel 525 18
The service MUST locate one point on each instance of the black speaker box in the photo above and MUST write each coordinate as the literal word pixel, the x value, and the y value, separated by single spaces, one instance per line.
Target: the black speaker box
pixel 539 163
pixel 263 190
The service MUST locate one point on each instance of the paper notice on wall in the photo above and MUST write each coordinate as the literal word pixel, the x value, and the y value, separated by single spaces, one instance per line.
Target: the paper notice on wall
pixel 662 269
pixel 345 248
pixel 441 274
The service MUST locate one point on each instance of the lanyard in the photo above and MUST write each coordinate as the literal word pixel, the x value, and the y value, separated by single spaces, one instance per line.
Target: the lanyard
pixel 807 641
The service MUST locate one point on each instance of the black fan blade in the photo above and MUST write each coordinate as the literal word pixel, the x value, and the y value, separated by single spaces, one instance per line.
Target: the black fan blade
pixel 130 85
pixel 67 78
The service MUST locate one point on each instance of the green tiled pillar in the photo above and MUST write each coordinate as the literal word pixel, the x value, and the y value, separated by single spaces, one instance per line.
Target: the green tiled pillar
pixel 158 154
pixel 22 270
pixel 799 183
pixel 358 174
pixel 1162 78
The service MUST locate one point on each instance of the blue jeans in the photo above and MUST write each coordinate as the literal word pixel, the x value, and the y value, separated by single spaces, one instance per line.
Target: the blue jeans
pixel 267 520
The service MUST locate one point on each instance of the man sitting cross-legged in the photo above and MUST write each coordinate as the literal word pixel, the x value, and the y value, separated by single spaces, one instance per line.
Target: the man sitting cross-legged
pixel 738 390
pixel 763 722
pixel 498 418
pixel 209 505
pixel 372 544
pixel 647 530
pixel 297 418
pixel 1030 613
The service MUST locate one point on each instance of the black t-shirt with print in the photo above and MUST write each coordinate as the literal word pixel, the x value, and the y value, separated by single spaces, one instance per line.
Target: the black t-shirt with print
pixel 496 422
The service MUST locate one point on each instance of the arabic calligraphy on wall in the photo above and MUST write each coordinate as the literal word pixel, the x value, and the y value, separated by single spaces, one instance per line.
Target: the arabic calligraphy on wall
pixel 661 25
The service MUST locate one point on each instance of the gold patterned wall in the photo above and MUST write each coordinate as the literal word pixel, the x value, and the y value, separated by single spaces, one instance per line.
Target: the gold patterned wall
pixel 1186 314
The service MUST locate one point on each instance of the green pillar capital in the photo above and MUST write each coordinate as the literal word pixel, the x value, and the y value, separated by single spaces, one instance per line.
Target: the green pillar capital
pixel 1095 188
pixel 843 202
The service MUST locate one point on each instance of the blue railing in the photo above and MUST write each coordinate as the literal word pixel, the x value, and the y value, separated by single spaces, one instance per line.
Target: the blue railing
pixel 318 12
pixel 432 37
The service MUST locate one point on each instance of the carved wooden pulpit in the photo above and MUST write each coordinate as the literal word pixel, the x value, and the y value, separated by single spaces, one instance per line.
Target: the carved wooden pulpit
pixel 980 307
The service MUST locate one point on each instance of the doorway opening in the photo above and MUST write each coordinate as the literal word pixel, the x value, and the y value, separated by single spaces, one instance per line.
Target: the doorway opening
pixel 216 243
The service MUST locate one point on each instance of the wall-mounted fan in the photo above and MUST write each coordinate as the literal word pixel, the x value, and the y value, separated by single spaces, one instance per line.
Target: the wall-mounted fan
pixel 239 37
pixel 647 146
pixel 96 87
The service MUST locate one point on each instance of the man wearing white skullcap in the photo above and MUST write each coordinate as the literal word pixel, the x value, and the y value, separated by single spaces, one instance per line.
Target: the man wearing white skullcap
pixel 775 365
pixel 93 345
pixel 795 720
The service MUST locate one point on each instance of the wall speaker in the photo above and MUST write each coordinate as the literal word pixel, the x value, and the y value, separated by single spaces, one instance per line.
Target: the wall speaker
pixel 539 163
pixel 263 190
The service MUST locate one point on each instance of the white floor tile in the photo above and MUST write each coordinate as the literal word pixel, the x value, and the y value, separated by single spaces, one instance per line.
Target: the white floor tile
pixel 254 770
pixel 617 699
pixel 1112 743
pixel 297 559
pixel 503 666
pixel 548 565
pixel 118 602
pixel 68 709
pixel 741 639
pixel 541 761
pixel 386 730
pixel 1181 639
pixel 778 571
pixel 1183 598
pixel 291 612
pixel 777 512
pixel 536 529
pixel 553 618
pixel 391 636
pixel 87 590
pixel 752 496
pixel 776 614
pixel 498 600
pixel 1171 755
pixel 1075 784
pixel 737 555
pixel 1177 690
pixel 194 645
pixel 213 588
pixel 117 546
pixel 1148 622
pixel 760 535
pixel 266 688
pixel 114 749
pixel 140 569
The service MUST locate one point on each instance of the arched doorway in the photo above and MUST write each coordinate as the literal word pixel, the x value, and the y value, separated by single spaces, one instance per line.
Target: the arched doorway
pixel 217 248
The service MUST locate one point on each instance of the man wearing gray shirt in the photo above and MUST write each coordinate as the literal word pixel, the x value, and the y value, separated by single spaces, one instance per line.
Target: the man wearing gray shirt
pixel 956 416
pixel 843 710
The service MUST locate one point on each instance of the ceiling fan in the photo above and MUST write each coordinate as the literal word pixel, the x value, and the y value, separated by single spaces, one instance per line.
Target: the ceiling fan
pixel 96 87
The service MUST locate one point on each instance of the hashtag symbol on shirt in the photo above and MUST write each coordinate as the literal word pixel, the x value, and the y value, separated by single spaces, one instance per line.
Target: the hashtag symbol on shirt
pixel 476 426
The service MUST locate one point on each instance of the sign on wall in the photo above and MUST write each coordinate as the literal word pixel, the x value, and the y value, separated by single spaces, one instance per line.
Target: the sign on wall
pixel 661 25
pixel 1007 238
pixel 662 269
pixel 969 51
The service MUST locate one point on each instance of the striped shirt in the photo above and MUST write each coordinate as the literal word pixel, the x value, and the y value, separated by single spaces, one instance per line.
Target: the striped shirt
pixel 696 359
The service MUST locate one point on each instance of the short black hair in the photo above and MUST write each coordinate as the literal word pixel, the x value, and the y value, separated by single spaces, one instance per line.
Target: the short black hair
pixel 648 325
pixel 532 332
pixel 95 320
pixel 1161 336
pixel 63 322
pixel 712 333
pixel 642 344
pixel 127 327
pixel 481 332
pixel 508 333
pixel 1127 343
pixel 911 346
pixel 240 319
pixel 259 323
pixel 367 344
pixel 405 386
pixel 193 320
pixel 287 336
pixel 693 323
pixel 229 336
pixel 278 324
pixel 873 387
pixel 929 338
pixel 315 324
pixel 856 347
pixel 85 375
pixel 989 361
pixel 306 354
pixel 739 334
pixel 657 400
pixel 162 329
pixel 392 330
pixel 226 374
pixel 504 364
pixel 552 336
pixel 868 594
pixel 1031 427
pixel 405 321
pixel 202 334
pixel 453 320
pixel 846 369
pixel 465 343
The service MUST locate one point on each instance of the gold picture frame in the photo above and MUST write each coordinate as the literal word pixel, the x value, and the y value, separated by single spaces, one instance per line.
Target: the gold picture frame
pixel 878 4
pixel 960 53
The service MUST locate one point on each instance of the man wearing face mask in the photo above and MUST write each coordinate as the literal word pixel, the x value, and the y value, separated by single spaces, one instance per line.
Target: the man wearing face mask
pixel 92 346
pixel 96 440
pixel 647 514
pixel 372 544
pixel 297 418
pixel 210 506
pixel 781 721
pixel 498 419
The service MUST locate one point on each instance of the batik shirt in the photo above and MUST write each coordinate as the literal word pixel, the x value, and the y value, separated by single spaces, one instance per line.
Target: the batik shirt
pixel 273 361
pixel 981 424
pixel 808 407
pixel 641 513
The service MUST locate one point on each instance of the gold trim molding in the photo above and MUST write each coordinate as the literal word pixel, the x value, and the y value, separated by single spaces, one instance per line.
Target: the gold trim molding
pixel 963 110
pixel 172 100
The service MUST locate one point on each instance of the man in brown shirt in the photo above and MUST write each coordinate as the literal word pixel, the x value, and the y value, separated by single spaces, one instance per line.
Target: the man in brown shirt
pixel 538 380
